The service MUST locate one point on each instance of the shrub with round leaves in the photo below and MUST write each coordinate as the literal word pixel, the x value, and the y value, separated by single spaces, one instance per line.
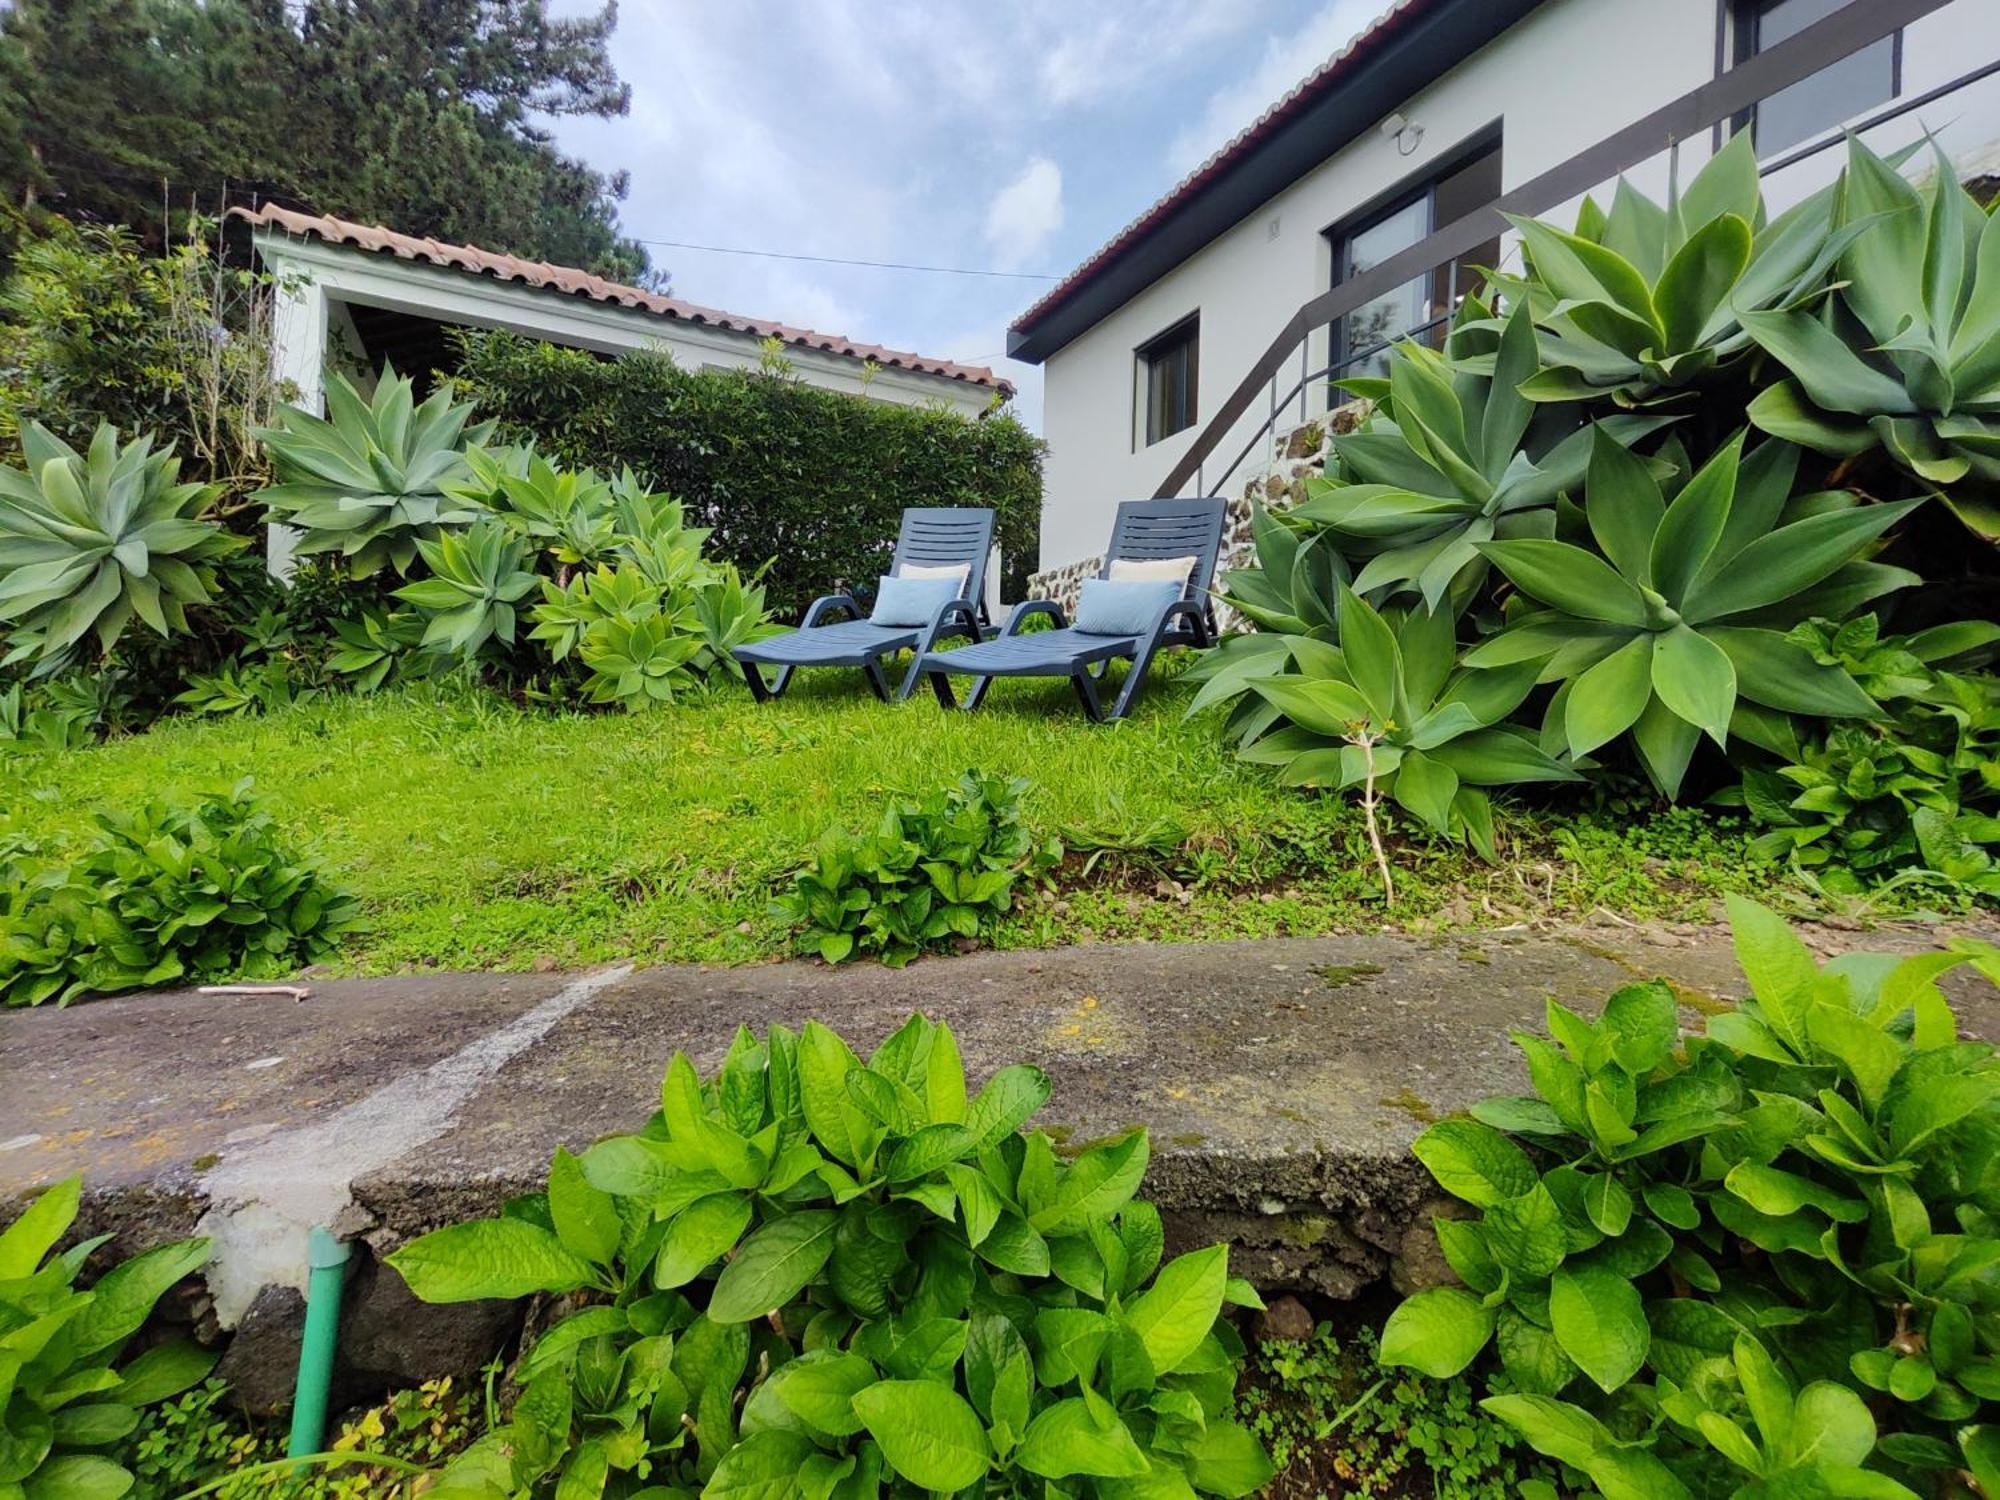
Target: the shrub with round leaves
pixel 813 1274
pixel 91 541
pixel 1751 1262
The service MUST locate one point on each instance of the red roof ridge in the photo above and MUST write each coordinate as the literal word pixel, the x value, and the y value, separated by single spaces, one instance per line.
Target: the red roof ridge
pixel 578 282
pixel 1308 88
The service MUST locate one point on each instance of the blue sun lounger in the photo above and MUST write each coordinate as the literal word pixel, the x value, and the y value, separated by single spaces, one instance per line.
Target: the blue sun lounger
pixel 1146 530
pixel 940 536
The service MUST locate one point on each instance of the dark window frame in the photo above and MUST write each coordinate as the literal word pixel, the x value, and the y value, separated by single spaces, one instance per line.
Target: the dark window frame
pixel 1420 186
pixel 1184 334
pixel 1744 18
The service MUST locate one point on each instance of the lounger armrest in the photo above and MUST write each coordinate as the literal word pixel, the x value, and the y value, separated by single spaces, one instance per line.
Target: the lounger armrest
pixel 1195 611
pixel 963 610
pixel 1027 609
pixel 825 604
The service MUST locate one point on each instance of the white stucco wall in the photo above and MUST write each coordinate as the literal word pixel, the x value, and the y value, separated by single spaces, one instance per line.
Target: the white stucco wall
pixel 1569 74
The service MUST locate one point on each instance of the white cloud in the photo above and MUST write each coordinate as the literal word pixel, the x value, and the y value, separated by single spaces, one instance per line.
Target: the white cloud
pixel 1286 61
pixel 1025 214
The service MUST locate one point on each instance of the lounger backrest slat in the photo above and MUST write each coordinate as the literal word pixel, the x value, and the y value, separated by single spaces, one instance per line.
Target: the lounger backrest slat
pixel 1148 529
pixel 945 535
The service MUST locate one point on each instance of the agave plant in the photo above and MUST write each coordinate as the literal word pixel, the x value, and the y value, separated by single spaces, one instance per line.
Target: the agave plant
pixel 728 612
pixel 652 531
pixel 372 479
pixel 569 609
pixel 89 542
pixel 376 645
pixel 564 512
pixel 478 576
pixel 1387 710
pixel 1449 460
pixel 640 663
pixel 1683 616
pixel 1644 303
pixel 1906 354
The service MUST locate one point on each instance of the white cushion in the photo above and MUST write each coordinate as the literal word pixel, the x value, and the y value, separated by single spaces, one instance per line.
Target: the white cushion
pixel 1155 570
pixel 956 572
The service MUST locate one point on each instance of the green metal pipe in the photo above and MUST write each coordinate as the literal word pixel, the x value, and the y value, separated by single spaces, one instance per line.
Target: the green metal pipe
pixel 327 1257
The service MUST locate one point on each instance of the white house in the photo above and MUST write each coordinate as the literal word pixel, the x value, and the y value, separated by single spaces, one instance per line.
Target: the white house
pixel 1437 109
pixel 374 294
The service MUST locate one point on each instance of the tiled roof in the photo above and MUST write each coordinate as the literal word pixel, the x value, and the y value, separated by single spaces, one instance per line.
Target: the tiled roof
pixel 581 283
pixel 1322 80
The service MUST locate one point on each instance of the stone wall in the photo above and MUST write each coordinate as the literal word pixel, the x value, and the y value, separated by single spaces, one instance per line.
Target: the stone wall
pixel 1302 453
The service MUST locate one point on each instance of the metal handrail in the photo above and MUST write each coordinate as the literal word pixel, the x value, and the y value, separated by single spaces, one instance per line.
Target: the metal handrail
pixel 1847 30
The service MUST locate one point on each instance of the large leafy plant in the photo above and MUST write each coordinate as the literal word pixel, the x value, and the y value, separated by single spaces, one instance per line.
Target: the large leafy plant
pixel 1753 1262
pixel 1681 614
pixel 477 579
pixel 371 479
pixel 1646 303
pixel 1905 352
pixel 933 873
pixel 814 1275
pixel 1390 712
pixel 68 1394
pixel 1455 454
pixel 89 542
pixel 164 893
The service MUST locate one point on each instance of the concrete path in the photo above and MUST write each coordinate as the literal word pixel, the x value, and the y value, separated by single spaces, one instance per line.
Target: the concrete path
pixel 1283 1080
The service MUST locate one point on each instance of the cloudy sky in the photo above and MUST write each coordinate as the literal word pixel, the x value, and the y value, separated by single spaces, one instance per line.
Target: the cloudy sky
pixel 1009 135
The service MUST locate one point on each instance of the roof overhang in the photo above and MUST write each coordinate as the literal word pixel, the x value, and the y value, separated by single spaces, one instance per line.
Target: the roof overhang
pixel 1403 53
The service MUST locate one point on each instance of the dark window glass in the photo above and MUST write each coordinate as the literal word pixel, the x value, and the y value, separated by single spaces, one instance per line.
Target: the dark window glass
pixel 1172 363
pixel 1859 81
pixel 1363 336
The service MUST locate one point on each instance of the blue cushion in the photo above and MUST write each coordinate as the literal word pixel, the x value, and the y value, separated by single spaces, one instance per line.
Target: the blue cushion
pixel 1107 608
pixel 911 601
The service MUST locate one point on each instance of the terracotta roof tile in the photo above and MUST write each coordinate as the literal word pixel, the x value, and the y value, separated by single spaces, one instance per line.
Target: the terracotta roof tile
pixel 1329 75
pixel 581 283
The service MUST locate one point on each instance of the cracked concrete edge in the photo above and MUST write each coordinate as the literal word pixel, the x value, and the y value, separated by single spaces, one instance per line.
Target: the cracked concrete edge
pixel 261 1203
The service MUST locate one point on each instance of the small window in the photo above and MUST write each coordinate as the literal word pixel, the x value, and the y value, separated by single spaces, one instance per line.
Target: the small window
pixel 1170 367
pixel 1361 340
pixel 1836 93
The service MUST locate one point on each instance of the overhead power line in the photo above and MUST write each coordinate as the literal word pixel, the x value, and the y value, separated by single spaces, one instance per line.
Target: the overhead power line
pixel 835 260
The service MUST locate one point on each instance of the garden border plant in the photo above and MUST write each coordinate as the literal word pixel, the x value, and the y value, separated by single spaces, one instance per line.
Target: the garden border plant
pixel 1754 1261
pixel 852 1277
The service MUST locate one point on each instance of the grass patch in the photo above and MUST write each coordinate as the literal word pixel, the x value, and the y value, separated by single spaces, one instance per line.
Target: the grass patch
pixel 480 835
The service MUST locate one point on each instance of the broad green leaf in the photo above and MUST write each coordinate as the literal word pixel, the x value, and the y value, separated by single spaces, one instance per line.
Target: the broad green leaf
pixel 927 1432
pixel 1065 1439
pixel 699 1235
pixel 1227 1460
pixel 1781 972
pixel 1608 698
pixel 773 1266
pixel 1569 578
pixel 1009 1098
pixel 1598 1319
pixel 1097 1184
pixel 586 1218
pixel 820 1388
pixel 1474 1162
pixel 124 1296
pixel 764 1466
pixel 486 1258
pixel 40 1226
pixel 1696 680
pixel 1437 1332
pixel 1174 1315
pixel 78 1476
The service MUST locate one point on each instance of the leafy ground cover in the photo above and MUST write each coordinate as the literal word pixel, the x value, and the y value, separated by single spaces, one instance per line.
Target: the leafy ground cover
pixel 475 834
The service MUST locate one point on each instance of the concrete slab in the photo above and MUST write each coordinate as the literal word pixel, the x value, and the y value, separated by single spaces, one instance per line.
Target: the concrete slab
pixel 1283 1080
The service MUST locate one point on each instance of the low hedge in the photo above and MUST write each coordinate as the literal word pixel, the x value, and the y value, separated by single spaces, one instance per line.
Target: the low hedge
pixel 812 479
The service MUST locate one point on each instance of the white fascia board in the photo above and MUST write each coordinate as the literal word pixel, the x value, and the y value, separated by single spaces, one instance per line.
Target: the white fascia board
pixel 452 296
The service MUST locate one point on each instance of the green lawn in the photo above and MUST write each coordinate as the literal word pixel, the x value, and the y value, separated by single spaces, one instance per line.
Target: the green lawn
pixel 482 835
